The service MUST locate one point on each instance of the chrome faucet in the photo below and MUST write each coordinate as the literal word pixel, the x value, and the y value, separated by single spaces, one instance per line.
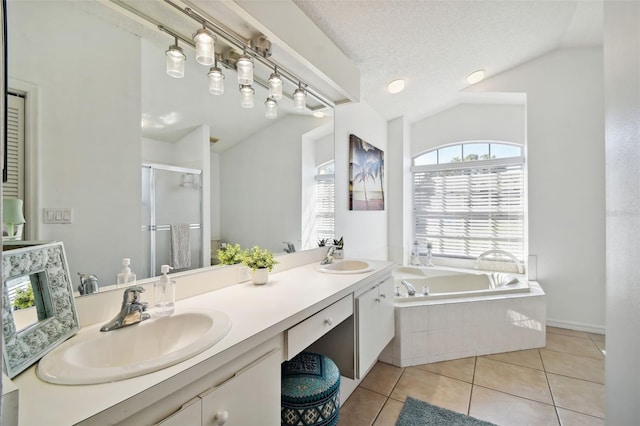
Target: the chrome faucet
pixel 328 258
pixel 132 311
pixel 411 290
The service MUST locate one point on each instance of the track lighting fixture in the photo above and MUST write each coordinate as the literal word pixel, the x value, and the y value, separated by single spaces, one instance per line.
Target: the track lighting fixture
pixel 216 80
pixel 246 96
pixel 175 60
pixel 244 66
pixel 256 51
pixel 299 98
pixel 271 108
pixel 275 85
pixel 205 44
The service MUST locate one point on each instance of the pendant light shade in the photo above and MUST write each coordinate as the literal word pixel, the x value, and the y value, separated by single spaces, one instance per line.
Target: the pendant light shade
pixel 175 61
pixel 246 96
pixel 244 67
pixel 205 43
pixel 216 81
pixel 271 108
pixel 299 99
pixel 275 85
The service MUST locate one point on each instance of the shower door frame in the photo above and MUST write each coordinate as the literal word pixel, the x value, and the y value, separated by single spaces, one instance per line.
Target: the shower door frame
pixel 153 227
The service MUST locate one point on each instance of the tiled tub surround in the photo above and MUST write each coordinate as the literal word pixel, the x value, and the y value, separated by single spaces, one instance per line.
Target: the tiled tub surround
pixel 429 331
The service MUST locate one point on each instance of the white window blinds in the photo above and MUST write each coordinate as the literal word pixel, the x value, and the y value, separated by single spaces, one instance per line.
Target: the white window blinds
pixel 325 207
pixel 14 187
pixel 464 209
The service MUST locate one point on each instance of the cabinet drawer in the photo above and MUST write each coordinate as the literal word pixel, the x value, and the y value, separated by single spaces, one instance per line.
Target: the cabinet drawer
pixel 314 327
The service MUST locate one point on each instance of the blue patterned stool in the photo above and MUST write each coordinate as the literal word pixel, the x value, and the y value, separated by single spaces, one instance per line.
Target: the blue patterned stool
pixel 310 393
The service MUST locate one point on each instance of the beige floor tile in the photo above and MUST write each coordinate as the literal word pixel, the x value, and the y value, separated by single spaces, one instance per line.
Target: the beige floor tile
pixel 504 409
pixel 573 345
pixel 573 366
pixel 577 395
pixel 361 408
pixel 461 369
pixel 596 336
pixel 389 414
pixel 382 378
pixel 571 418
pixel 601 344
pixel 513 379
pixel 528 358
pixel 433 388
pixel 567 332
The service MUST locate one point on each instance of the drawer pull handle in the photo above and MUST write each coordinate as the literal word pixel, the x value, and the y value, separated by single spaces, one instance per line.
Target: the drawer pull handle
pixel 383 296
pixel 221 417
pixel 329 321
pixel 378 299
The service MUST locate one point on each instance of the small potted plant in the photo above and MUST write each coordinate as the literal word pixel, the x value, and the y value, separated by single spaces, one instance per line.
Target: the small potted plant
pixel 230 255
pixel 260 261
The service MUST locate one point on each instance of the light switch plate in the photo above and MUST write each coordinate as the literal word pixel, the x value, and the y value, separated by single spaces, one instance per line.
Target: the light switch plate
pixel 58 216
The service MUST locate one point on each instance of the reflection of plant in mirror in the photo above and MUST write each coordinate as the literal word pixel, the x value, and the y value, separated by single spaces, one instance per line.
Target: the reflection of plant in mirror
pixel 230 255
pixel 24 298
pixel 339 244
pixel 256 258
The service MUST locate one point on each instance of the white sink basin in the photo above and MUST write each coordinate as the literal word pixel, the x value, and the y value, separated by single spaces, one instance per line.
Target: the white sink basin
pixel 347 266
pixel 100 357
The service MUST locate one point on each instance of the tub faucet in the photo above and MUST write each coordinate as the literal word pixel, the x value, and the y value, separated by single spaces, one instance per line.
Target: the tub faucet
pixel 329 256
pixel 132 311
pixel 411 290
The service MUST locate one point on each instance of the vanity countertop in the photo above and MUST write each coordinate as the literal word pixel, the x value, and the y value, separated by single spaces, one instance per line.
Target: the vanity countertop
pixel 257 312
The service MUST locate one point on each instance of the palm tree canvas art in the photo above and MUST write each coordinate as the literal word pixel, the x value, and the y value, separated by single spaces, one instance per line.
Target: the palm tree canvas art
pixel 366 175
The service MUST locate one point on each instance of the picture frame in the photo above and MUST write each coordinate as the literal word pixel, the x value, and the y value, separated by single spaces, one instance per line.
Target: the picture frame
pixel 366 175
pixel 55 319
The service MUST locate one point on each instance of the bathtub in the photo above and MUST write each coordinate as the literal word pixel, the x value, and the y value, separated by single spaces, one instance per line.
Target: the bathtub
pixel 453 284
pixel 466 313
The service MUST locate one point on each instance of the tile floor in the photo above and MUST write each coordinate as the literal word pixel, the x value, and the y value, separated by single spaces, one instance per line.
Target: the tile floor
pixel 561 384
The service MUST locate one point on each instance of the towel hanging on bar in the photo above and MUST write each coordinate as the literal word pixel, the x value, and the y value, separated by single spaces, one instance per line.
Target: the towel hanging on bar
pixel 180 246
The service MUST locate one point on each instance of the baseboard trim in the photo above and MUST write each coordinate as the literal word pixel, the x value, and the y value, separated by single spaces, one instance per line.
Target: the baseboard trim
pixel 589 328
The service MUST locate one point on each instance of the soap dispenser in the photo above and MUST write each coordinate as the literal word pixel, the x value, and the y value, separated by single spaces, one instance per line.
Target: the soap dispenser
pixel 165 292
pixel 125 277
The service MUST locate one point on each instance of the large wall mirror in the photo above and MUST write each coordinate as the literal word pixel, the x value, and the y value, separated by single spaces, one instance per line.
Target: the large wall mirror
pixel 99 104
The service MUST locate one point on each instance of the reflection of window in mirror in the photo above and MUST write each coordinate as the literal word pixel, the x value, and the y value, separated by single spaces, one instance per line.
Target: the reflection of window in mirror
pixel 14 187
pixel 29 298
pixel 325 213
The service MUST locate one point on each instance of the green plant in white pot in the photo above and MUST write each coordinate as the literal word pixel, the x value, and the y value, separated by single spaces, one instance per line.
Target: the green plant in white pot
pixel 260 261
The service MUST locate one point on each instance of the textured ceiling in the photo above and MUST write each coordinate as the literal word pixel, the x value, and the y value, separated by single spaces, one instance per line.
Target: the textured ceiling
pixel 434 45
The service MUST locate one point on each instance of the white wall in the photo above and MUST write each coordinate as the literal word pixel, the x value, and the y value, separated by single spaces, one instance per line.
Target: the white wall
pixel 269 161
pixel 399 195
pixel 622 108
pixel 89 129
pixel 565 144
pixel 467 122
pixel 364 232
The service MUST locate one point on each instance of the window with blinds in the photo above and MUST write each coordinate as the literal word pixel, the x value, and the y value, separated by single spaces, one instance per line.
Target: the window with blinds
pixel 14 187
pixel 469 205
pixel 325 199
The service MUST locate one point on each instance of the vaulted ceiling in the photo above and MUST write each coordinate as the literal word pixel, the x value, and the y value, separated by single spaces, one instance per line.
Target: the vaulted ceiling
pixel 434 45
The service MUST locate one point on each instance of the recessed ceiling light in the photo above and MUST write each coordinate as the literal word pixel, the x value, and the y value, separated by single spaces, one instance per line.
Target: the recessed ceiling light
pixel 318 114
pixel 396 86
pixel 475 77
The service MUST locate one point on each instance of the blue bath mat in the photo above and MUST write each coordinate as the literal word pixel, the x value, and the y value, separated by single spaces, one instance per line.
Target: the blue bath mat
pixel 420 413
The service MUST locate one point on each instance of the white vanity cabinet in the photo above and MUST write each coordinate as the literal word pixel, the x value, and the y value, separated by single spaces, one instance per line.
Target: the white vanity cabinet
pixel 375 322
pixel 247 398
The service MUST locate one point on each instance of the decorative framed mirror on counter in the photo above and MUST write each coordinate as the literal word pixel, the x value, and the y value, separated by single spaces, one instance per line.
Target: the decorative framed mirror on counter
pixel 38 306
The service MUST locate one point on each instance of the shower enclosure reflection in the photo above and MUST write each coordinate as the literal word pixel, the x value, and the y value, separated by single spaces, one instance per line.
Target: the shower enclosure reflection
pixel 171 218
